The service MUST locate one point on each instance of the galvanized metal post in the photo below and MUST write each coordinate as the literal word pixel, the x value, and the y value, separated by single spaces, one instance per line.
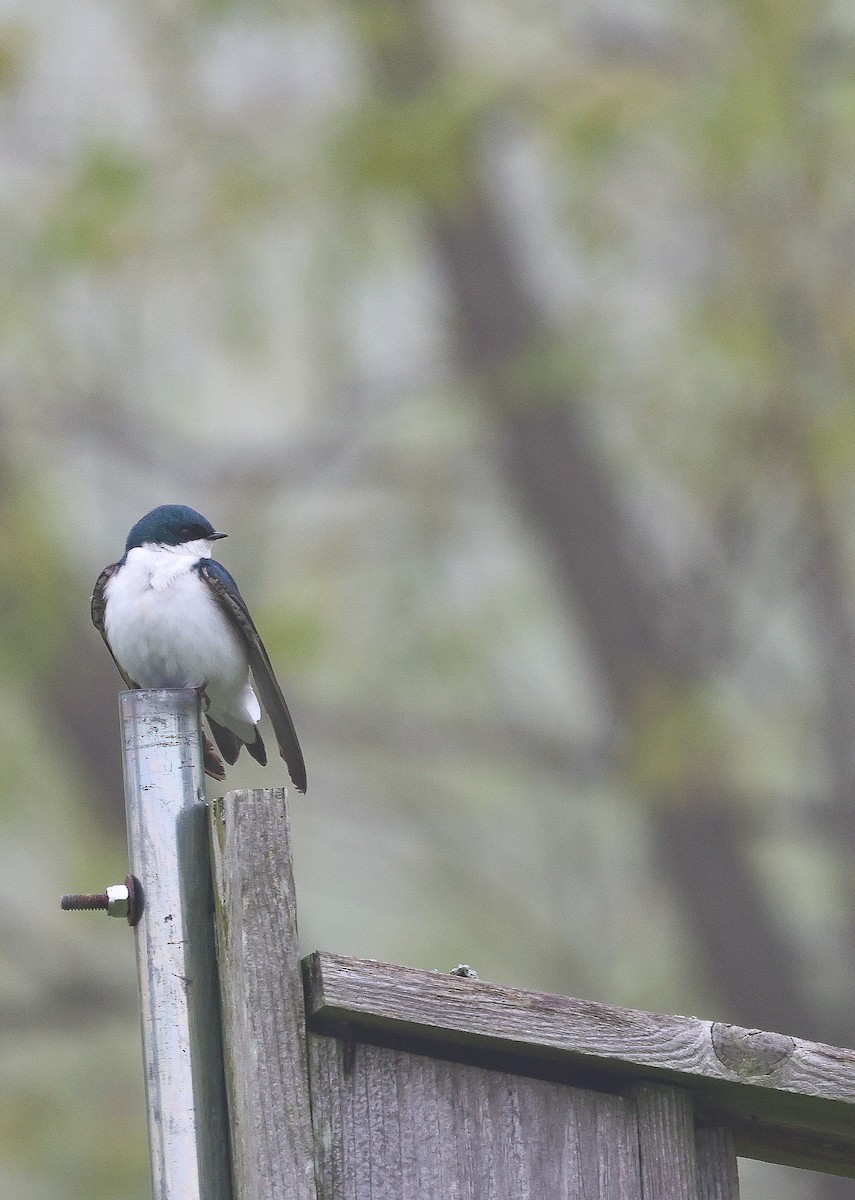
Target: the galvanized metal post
pixel 179 996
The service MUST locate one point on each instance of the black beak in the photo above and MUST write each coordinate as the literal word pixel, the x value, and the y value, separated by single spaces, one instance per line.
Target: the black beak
pixel 215 537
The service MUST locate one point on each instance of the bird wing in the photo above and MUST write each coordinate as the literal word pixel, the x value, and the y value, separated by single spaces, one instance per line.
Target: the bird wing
pixel 99 609
pixel 225 592
pixel 213 765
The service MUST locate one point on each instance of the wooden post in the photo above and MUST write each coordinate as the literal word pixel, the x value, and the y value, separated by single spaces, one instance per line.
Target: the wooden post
pixel 262 997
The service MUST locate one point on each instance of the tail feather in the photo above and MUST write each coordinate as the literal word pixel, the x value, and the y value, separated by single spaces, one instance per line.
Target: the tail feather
pixel 228 743
pixel 257 750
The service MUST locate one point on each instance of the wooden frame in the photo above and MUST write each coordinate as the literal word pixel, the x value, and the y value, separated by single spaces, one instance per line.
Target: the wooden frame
pixel 402 1084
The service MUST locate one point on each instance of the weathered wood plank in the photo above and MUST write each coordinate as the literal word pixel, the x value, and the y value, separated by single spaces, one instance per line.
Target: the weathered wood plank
pixel 666 1142
pixel 783 1099
pixel 262 998
pixel 392 1125
pixel 718 1174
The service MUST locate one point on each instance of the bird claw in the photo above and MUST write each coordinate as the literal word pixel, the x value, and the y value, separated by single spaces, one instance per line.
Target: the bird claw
pixel 213 763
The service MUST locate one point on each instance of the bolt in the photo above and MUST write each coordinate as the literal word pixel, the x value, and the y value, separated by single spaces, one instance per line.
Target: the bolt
pixel 84 903
pixel 119 900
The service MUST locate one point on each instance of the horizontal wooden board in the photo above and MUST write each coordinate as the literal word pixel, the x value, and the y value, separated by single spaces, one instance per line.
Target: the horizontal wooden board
pixel 784 1099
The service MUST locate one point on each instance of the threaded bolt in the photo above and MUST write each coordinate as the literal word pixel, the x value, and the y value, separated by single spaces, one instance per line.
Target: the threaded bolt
pixel 90 902
pixel 119 900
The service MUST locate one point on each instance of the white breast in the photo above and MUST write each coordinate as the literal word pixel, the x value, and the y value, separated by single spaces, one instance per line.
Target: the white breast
pixel 166 629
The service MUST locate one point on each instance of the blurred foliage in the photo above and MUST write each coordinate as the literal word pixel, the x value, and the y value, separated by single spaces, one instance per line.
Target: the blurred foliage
pixel 14 45
pixel 99 218
pixel 34 590
pixel 678 734
pixel 220 287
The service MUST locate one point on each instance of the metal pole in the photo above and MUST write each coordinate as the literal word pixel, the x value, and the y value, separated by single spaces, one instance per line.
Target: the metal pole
pixel 179 998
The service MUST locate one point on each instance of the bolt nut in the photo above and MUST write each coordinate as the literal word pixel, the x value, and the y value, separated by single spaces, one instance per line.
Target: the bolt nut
pixel 118 900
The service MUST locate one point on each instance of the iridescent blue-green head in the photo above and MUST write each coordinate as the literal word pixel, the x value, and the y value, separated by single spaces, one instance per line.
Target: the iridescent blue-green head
pixel 171 525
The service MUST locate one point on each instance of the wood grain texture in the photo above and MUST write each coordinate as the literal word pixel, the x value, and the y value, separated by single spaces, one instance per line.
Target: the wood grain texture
pixel 783 1099
pixel 262 998
pixel 718 1174
pixel 666 1142
pixel 392 1125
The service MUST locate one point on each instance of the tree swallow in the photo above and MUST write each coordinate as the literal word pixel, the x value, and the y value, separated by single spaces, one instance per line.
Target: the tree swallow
pixel 172 617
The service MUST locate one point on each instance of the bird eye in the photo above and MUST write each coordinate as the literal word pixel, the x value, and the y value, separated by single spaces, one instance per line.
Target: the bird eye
pixel 185 533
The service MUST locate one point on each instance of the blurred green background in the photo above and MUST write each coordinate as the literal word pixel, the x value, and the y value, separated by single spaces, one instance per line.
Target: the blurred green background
pixel 513 342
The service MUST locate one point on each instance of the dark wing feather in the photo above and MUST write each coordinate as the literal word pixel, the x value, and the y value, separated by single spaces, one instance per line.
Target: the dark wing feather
pixel 213 766
pixel 225 592
pixel 99 608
